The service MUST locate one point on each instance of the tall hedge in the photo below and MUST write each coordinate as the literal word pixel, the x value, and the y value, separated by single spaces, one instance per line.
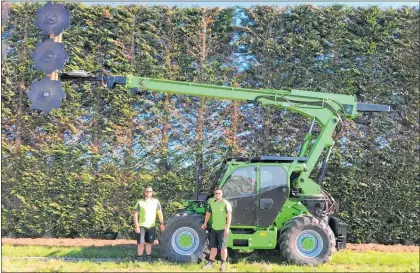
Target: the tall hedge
pixel 76 171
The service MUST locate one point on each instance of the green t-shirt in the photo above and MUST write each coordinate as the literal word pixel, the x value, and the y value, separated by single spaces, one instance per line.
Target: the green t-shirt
pixel 219 211
pixel 147 211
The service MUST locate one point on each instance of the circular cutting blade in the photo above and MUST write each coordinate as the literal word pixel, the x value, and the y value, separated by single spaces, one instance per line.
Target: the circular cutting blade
pixel 46 94
pixel 49 56
pixel 52 18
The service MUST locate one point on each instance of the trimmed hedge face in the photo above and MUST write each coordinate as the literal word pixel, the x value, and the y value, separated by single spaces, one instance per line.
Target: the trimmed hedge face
pixel 76 171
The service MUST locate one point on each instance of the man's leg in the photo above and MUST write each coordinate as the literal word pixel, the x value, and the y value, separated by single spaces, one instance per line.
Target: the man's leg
pixel 223 239
pixel 213 253
pixel 140 249
pixel 224 254
pixel 150 237
pixel 140 244
pixel 148 249
pixel 213 248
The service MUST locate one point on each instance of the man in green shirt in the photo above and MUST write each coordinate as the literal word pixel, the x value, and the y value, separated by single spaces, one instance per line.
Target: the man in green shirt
pixel 144 216
pixel 222 216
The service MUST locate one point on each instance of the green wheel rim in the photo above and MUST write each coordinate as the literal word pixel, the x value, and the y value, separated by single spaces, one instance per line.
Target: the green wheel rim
pixel 309 243
pixel 185 240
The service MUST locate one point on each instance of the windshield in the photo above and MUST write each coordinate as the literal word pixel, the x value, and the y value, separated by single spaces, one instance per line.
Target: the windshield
pixel 241 182
pixel 218 176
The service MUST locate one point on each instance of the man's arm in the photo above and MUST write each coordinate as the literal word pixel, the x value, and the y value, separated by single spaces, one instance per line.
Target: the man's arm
pixel 135 213
pixel 136 224
pixel 206 219
pixel 160 215
pixel 228 218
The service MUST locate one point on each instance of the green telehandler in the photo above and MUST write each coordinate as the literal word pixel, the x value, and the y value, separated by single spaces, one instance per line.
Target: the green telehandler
pixel 275 202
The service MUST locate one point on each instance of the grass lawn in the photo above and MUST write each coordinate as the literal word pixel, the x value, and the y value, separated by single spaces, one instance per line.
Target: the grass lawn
pixel 122 259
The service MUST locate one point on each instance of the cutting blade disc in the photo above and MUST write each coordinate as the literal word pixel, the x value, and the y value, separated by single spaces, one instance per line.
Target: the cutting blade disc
pixel 49 56
pixel 46 94
pixel 52 18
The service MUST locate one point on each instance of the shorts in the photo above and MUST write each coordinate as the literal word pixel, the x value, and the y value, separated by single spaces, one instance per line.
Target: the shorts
pixel 218 239
pixel 146 235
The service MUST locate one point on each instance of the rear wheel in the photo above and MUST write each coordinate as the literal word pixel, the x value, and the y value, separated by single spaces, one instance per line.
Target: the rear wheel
pixel 307 240
pixel 183 239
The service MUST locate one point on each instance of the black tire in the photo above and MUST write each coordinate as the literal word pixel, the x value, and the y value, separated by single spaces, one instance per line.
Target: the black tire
pixel 187 222
pixel 293 252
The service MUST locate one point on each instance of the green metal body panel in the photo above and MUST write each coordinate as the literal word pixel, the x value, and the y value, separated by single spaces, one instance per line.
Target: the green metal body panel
pixel 291 209
pixel 260 239
pixel 305 145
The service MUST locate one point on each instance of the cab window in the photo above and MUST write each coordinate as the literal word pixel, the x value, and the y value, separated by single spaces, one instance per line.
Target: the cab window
pixel 241 182
pixel 272 177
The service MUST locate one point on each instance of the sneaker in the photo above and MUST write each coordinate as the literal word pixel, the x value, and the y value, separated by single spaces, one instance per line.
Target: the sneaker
pixel 222 267
pixel 208 265
pixel 139 259
pixel 149 259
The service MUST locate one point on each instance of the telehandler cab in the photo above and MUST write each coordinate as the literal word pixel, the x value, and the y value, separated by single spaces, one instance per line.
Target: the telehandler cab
pixel 275 202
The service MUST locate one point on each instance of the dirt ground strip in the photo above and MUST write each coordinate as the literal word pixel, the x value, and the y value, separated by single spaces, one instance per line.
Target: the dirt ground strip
pixel 98 242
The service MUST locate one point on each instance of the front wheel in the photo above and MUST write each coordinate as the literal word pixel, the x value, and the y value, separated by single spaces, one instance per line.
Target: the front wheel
pixel 307 240
pixel 183 239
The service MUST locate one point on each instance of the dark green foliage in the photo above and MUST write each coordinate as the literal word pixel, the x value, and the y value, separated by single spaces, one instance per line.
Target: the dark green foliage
pixel 76 171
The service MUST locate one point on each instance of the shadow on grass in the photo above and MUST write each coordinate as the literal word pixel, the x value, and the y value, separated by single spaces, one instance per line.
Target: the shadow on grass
pixel 123 251
pixel 128 252
pixel 255 256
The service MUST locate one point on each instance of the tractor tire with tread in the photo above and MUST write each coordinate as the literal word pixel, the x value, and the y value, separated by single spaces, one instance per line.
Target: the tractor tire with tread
pixel 193 250
pixel 318 247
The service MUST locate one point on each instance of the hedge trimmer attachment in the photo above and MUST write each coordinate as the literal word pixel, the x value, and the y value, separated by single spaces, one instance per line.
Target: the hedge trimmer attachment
pixel 49 56
pixel 46 94
pixel 52 18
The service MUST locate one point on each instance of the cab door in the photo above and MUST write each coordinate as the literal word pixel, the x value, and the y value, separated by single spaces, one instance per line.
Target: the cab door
pixel 240 189
pixel 272 193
